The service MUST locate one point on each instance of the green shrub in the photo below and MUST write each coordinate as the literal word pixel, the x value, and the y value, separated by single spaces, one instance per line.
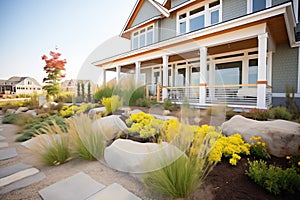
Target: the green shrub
pixel 168 105
pixel 89 143
pixel 54 148
pixel 105 91
pixel 66 97
pixel 139 93
pixel 24 119
pixel 274 179
pixel 38 124
pixel 10 119
pixel 280 113
pixel 259 149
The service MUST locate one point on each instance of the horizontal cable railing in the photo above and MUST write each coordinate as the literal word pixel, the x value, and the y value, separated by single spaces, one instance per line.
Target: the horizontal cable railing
pixel 182 94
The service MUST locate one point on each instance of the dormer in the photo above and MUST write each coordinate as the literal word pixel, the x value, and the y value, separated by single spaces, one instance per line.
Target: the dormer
pixel 141 24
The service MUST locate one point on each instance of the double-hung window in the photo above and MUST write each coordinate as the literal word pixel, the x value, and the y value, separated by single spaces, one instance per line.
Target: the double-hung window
pixel 257 5
pixel 143 37
pixel 199 17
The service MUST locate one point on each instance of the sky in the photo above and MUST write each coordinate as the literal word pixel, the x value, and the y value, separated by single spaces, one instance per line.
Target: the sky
pixel 32 28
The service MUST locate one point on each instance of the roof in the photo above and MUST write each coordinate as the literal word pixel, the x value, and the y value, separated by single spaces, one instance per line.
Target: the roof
pixel 164 12
pixel 17 79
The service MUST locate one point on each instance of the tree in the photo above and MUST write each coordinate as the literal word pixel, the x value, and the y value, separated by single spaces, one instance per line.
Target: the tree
pixel 82 90
pixel 89 92
pixel 78 88
pixel 55 69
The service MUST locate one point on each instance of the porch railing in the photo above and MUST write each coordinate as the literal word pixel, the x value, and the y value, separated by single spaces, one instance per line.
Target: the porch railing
pixel 232 95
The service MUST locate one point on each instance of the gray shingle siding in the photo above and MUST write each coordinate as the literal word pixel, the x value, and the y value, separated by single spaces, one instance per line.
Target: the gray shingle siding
pixel 285 68
pixel 277 2
pixel 233 9
pixel 175 3
pixel 147 12
pixel 168 28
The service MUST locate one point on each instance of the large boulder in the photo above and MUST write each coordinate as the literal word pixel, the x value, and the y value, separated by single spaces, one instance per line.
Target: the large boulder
pixel 110 126
pixel 94 111
pixel 21 109
pixel 134 157
pixel 282 137
pixel 10 111
pixel 32 112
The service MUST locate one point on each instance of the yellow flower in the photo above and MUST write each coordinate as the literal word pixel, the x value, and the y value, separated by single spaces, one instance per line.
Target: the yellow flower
pixel 288 158
pixel 299 163
pixel 258 143
pixel 258 138
pixel 263 144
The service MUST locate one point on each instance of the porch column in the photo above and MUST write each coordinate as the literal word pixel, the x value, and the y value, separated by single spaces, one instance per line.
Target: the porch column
pixel 165 59
pixel 211 74
pixel 118 71
pixel 262 71
pixel 203 72
pixel 104 77
pixel 137 72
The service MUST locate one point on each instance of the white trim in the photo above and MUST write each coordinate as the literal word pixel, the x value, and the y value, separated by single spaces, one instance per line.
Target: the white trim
pixel 165 73
pixel 163 10
pixel 296 9
pixel 298 90
pixel 139 34
pixel 181 5
pixel 141 24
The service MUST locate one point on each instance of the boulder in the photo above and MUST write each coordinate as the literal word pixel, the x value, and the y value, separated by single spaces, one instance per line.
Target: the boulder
pixel 282 137
pixel 95 111
pixel 10 111
pixel 21 109
pixel 48 105
pixel 110 126
pixel 32 112
pixel 134 157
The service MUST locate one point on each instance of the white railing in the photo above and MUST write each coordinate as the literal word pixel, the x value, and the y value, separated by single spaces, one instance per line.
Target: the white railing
pixel 231 95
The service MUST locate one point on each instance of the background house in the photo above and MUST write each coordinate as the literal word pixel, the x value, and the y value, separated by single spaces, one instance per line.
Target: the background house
pixel 20 85
pixel 239 52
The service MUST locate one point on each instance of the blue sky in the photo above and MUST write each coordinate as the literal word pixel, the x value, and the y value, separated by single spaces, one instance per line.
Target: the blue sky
pixel 31 28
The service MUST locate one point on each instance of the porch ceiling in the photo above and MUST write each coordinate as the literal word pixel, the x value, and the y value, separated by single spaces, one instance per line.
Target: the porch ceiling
pixel 278 29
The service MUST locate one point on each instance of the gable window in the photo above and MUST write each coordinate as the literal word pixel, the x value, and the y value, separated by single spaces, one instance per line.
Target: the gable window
pixel 143 37
pixel 257 5
pixel 199 17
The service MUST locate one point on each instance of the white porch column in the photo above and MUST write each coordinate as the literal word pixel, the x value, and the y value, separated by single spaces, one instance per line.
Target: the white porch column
pixel 104 77
pixel 165 70
pixel 262 71
pixel 118 73
pixel 203 72
pixel 212 70
pixel 137 72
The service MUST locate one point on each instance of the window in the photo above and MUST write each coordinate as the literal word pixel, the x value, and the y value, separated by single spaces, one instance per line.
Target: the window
pixel 143 37
pixel 257 5
pixel 229 73
pixel 199 17
pixel 252 71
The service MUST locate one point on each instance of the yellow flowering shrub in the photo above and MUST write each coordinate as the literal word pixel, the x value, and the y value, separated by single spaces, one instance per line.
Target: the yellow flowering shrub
pixel 112 103
pixel 143 124
pixel 259 148
pixel 229 147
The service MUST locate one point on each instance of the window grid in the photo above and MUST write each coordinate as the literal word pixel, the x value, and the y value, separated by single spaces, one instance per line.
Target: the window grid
pixel 143 37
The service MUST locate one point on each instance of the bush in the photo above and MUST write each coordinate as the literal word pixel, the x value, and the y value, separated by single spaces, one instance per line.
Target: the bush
pixel 89 143
pixel 139 93
pixel 105 91
pixel 33 128
pixel 274 179
pixel 10 119
pixel 280 113
pixel 168 105
pixel 53 148
pixel 66 97
pixel 112 104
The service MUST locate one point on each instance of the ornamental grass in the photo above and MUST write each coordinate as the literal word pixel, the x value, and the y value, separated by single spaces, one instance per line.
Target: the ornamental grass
pixel 53 147
pixel 87 142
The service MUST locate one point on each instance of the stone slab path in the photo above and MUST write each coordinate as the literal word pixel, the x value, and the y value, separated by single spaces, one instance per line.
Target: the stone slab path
pixel 8 153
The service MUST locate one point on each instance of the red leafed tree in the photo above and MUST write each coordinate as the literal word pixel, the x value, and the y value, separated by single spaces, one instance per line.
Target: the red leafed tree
pixel 55 69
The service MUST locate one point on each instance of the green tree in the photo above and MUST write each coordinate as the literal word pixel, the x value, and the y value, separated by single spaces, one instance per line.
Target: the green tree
pixel 55 70
pixel 89 92
pixel 82 90
pixel 78 89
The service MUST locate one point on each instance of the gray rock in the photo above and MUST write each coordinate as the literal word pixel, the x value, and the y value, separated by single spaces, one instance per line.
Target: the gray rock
pixel 32 112
pixel 21 109
pixel 135 157
pixel 110 126
pixel 10 111
pixel 282 137
pixel 95 111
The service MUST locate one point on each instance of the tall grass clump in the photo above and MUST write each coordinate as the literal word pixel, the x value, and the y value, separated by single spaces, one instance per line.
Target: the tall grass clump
pixel 112 104
pixel 88 142
pixel 187 173
pixel 105 91
pixel 52 147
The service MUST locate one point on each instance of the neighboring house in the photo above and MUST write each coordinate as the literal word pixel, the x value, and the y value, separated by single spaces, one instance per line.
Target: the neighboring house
pixel 239 52
pixel 20 85
pixel 72 84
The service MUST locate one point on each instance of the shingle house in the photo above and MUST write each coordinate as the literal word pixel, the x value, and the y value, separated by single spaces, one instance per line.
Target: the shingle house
pixel 239 52
pixel 20 85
